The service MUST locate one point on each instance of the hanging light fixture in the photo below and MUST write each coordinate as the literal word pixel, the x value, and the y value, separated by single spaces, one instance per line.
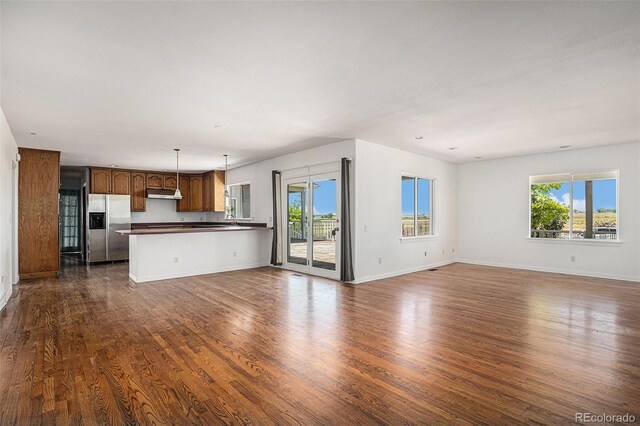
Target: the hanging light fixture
pixel 177 195
pixel 227 196
pixel 226 168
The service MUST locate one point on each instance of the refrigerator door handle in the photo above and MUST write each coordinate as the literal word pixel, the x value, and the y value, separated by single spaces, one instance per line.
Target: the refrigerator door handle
pixel 107 228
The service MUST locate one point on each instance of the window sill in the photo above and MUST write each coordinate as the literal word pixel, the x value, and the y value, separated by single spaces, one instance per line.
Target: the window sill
pixel 575 241
pixel 418 238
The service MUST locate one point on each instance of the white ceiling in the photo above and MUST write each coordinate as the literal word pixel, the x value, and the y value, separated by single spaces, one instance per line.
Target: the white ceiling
pixel 124 83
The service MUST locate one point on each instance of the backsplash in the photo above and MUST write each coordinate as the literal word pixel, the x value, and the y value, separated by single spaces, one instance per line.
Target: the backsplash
pixel 165 211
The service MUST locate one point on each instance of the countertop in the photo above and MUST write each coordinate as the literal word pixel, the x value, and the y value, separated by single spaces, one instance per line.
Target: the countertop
pixel 190 227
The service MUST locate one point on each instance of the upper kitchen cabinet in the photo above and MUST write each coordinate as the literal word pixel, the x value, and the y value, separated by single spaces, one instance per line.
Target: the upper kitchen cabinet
pixel 213 191
pixel 169 182
pixel 218 184
pixel 100 181
pixel 138 192
pixel 155 181
pixel 183 205
pixel 38 186
pixel 195 193
pixel 120 182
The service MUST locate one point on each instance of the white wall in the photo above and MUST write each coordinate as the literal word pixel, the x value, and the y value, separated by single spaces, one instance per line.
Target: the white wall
pixel 259 174
pixel 165 211
pixel 8 151
pixel 163 256
pixel 378 208
pixel 493 218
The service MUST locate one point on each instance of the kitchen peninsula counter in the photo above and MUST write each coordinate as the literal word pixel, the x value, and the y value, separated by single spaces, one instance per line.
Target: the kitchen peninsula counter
pixel 182 228
pixel 160 251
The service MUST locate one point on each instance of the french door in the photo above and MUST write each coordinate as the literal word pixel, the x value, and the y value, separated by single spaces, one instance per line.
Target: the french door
pixel 312 213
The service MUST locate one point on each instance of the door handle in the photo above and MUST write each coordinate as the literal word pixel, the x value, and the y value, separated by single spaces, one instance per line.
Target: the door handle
pixel 334 230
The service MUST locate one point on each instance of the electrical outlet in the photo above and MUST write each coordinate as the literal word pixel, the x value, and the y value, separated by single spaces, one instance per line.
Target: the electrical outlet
pixel 3 279
pixel 366 228
pixel 453 250
pixel 235 254
pixel 182 219
pixel 425 254
pixel 379 261
pixel 175 260
pixel 442 251
pixel 573 258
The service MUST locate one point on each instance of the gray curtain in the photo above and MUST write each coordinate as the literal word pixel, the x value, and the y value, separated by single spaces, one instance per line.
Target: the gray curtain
pixel 346 255
pixel 276 244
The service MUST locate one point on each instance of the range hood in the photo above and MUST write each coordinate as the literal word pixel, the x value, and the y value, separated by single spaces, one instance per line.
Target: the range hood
pixel 163 194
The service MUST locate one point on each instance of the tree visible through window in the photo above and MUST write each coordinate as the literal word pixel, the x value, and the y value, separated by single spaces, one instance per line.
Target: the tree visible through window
pixel 574 206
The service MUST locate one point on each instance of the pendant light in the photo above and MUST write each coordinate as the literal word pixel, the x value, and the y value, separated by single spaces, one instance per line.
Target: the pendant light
pixel 177 195
pixel 226 168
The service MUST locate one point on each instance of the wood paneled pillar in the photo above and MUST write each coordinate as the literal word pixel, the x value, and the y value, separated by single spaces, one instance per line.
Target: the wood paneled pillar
pixel 38 188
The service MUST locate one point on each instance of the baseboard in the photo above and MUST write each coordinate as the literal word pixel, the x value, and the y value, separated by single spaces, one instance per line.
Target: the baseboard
pixel 552 270
pixel 34 275
pixel 3 299
pixel 400 272
pixel 160 277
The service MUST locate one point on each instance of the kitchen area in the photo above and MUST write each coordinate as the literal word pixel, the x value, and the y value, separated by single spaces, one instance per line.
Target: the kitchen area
pixel 165 224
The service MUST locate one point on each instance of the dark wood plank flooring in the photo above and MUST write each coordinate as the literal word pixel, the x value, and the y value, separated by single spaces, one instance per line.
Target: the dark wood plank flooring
pixel 464 344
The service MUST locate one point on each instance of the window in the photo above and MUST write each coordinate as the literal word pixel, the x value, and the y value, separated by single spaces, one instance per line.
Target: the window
pixel 417 206
pixel 575 206
pixel 239 202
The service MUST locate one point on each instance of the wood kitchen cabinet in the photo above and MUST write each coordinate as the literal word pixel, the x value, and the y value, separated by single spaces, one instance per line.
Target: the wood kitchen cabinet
pixel 155 180
pixel 169 182
pixel 195 193
pixel 100 181
pixel 183 205
pixel 218 184
pixel 138 192
pixel 200 192
pixel 120 182
pixel 207 193
pixel 213 191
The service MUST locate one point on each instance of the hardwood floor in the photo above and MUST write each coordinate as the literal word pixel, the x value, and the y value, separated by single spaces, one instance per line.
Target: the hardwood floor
pixel 464 344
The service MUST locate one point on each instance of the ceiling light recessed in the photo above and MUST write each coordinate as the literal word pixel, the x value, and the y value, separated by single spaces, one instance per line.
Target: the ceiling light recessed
pixel 453 148
pixel 113 165
pixel 477 158
pixel 218 126
pixel 418 137
pixel 33 134
pixel 564 146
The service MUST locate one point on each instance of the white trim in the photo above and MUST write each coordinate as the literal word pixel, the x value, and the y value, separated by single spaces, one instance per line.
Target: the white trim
pixel 553 270
pixel 401 272
pixel 418 238
pixel 3 302
pixel 577 241
pixel 206 271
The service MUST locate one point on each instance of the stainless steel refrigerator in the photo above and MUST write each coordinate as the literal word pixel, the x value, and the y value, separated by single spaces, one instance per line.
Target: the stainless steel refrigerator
pixel 106 215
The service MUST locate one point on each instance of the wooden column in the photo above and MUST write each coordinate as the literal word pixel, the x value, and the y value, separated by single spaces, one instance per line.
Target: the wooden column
pixel 588 200
pixel 38 187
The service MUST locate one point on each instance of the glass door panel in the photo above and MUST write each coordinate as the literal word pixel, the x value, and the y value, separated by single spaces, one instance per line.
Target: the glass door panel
pixel 297 230
pixel 324 224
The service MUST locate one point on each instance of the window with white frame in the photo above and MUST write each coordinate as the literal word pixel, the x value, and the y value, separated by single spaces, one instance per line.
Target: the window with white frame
pixel 417 207
pixel 574 206
pixel 239 201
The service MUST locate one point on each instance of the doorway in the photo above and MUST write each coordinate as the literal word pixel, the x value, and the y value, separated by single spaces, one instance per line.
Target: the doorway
pixel 71 216
pixel 312 206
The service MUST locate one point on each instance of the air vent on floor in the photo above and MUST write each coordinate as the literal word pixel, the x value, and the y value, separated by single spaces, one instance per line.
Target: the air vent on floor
pixel 297 275
pixel 432 269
